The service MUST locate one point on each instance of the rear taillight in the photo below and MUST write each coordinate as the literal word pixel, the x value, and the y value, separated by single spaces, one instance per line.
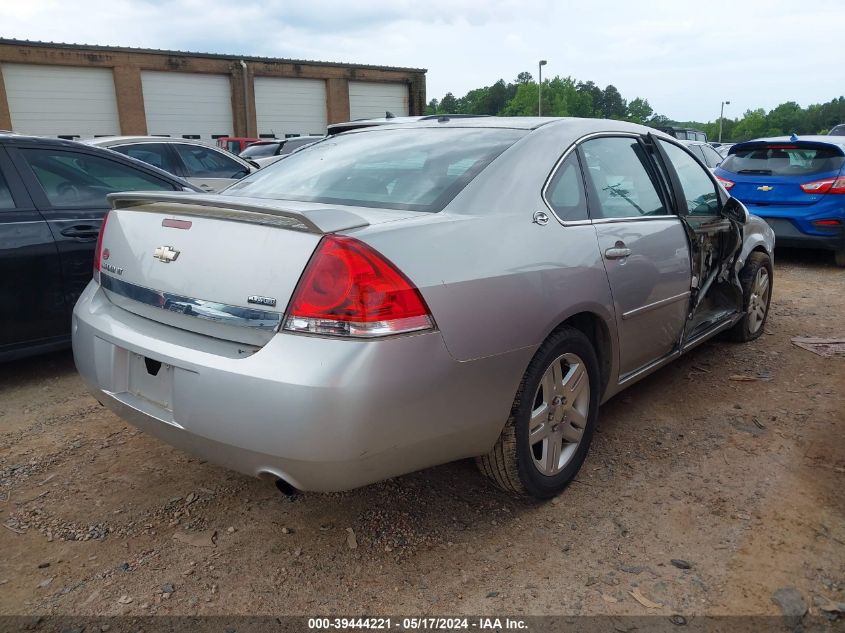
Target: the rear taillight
pixel 98 251
pixel 827 185
pixel 349 289
pixel 727 184
pixel 828 222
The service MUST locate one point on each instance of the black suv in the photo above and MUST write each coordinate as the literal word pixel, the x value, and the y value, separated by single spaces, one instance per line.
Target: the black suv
pixel 52 201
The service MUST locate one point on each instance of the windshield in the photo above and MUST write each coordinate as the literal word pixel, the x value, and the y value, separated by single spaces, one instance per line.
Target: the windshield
pixel 418 169
pixel 778 159
pixel 259 150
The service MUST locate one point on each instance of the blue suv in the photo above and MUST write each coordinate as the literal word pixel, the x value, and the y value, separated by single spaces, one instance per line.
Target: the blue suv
pixel 796 184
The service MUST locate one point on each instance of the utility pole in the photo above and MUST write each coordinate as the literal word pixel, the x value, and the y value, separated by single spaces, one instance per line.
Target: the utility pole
pixel 540 65
pixel 721 118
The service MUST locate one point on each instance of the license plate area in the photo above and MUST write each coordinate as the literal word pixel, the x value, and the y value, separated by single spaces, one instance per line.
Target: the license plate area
pixel 151 380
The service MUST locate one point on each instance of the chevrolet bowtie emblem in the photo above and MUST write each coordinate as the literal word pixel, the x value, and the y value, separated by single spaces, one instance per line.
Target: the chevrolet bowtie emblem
pixel 166 254
pixel 765 188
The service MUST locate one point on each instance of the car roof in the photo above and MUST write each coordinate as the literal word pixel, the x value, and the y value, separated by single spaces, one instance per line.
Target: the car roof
pixel 517 123
pixel 105 141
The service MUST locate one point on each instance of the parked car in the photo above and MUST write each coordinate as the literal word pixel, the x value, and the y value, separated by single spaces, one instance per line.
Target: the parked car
pixel 724 148
pixel 236 144
pixel 52 200
pixel 705 152
pixel 202 165
pixel 837 130
pixel 409 295
pixel 796 184
pixel 685 133
pixel 269 151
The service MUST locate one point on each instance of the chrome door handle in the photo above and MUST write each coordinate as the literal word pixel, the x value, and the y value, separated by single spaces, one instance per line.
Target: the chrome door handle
pixel 617 252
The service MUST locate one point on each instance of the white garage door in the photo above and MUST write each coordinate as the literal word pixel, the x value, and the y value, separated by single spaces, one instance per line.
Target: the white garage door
pixel 187 104
pixel 370 100
pixel 285 107
pixel 61 100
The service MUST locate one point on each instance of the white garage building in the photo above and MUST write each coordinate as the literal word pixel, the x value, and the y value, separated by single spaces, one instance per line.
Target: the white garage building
pixel 77 91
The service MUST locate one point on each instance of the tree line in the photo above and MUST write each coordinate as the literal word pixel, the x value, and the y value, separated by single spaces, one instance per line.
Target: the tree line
pixel 565 96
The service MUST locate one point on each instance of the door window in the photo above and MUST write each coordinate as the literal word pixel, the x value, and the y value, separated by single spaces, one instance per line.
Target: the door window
pixel 624 187
pixel 711 156
pixel 6 200
pixel 155 154
pixel 699 190
pixel 74 179
pixel 205 162
pixel 566 191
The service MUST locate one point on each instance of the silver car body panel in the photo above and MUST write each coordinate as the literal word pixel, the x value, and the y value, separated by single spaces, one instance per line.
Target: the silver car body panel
pixel 327 413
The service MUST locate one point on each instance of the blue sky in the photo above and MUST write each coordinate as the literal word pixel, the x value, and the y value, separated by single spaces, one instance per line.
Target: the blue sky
pixel 683 56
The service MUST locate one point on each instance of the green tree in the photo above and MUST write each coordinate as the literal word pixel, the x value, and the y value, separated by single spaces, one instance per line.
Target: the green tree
pixel 613 105
pixel 448 104
pixel 639 110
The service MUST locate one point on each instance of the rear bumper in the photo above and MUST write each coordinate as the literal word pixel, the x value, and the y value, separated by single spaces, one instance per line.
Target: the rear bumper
pixel 322 414
pixel 794 226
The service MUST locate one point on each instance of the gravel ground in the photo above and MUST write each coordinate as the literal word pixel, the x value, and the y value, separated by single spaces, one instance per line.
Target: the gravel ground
pixel 713 487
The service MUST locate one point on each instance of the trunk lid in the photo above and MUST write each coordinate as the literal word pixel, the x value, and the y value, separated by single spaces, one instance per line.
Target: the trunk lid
pixel 221 266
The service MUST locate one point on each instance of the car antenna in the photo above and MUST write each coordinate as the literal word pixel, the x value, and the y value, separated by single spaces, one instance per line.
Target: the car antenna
pixel 389 115
pixel 794 137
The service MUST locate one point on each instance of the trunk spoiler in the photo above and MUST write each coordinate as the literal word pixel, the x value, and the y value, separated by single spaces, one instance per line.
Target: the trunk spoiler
pixel 252 210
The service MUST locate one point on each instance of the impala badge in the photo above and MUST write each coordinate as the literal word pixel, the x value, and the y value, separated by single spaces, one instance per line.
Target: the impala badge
pixel 166 254
pixel 264 301
pixel 765 188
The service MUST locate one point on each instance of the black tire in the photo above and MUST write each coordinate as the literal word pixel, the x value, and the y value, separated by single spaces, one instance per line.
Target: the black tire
pixel 744 331
pixel 839 257
pixel 510 463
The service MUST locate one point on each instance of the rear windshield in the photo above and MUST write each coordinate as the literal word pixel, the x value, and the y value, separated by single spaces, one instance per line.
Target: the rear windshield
pixel 783 160
pixel 260 150
pixel 418 169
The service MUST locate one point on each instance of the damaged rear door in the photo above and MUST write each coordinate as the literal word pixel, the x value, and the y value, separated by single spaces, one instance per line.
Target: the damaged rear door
pixel 715 242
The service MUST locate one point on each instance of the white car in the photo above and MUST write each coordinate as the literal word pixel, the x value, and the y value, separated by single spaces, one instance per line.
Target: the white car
pixel 203 165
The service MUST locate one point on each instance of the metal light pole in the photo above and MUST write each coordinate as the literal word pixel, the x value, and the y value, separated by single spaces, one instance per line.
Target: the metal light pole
pixel 540 87
pixel 721 118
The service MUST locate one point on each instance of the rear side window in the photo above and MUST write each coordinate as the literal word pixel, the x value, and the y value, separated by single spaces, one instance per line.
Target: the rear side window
pixel 6 200
pixel 205 162
pixel 155 154
pixel 73 179
pixel 777 159
pixel 418 169
pixel 294 144
pixel 699 189
pixel 565 193
pixel 623 185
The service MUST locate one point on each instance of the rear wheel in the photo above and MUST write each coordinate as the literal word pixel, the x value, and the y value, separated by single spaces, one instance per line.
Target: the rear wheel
pixel 756 278
pixel 549 431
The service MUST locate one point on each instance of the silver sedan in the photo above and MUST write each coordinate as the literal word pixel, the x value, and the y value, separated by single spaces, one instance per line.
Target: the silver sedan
pixel 392 298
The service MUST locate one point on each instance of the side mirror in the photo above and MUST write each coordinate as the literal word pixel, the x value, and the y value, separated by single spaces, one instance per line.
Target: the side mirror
pixel 733 209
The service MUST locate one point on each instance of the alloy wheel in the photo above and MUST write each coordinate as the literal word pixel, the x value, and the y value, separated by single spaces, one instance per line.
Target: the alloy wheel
pixel 559 415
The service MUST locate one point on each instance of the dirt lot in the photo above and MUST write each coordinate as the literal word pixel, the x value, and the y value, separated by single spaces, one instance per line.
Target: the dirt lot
pixel 743 479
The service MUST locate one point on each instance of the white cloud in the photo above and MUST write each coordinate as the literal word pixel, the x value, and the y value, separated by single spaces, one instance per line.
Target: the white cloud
pixel 684 57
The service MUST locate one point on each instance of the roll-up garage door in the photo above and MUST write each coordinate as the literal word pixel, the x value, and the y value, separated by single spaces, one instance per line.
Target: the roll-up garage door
pixel 287 107
pixel 370 100
pixel 187 104
pixel 61 100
